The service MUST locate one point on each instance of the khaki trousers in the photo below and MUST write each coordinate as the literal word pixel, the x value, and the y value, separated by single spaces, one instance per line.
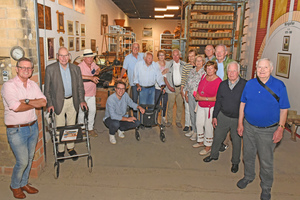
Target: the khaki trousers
pixel 172 98
pixel 69 110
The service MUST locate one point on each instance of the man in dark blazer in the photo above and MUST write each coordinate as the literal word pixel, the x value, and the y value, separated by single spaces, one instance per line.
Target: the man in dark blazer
pixel 65 93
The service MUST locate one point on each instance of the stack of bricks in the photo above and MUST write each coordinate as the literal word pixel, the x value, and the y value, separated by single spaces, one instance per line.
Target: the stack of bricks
pixel 18 28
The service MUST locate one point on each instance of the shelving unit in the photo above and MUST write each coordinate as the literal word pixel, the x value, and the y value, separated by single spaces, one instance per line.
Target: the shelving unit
pixel 168 43
pixel 213 22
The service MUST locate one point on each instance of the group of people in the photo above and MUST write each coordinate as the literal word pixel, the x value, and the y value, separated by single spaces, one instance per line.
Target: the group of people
pixel 215 98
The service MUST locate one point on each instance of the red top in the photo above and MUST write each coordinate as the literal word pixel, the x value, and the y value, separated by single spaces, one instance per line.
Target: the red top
pixel 208 89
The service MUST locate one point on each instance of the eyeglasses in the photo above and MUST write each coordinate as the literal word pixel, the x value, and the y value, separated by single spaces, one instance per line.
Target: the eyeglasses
pixel 26 68
pixel 120 88
pixel 64 55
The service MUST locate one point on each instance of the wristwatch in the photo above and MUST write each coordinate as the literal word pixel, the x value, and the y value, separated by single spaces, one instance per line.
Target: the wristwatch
pixel 27 101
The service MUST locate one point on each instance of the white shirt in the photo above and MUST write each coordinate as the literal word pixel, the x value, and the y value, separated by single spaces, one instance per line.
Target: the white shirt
pixel 176 74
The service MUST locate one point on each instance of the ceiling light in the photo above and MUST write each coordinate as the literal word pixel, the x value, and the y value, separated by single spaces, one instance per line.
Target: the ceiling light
pixel 159 16
pixel 172 7
pixel 168 15
pixel 160 9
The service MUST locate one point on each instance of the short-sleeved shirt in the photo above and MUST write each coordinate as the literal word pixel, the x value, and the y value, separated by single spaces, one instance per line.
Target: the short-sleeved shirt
pixel 12 92
pixel 261 107
pixel 89 87
pixel 129 64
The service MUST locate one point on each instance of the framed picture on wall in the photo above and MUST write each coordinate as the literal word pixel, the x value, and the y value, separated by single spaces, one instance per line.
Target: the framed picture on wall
pixel 82 44
pixel 61 42
pixel 66 3
pixel 286 43
pixel 77 27
pixel 77 44
pixel 71 43
pixel 70 27
pixel 104 23
pixel 60 22
pixel 47 17
pixel 93 45
pixel 147 32
pixel 50 49
pixel 80 6
pixel 283 64
pixel 147 45
pixel 82 29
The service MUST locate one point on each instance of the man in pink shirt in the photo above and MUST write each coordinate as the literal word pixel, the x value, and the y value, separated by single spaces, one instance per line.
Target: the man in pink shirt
pixel 88 70
pixel 21 97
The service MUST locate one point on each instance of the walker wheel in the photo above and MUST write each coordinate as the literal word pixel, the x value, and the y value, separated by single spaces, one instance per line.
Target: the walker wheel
pixel 162 136
pixel 137 135
pixel 56 170
pixel 90 163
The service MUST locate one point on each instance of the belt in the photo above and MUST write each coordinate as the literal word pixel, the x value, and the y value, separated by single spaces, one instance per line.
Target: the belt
pixel 148 86
pixel 20 125
pixel 177 85
pixel 69 97
pixel 276 124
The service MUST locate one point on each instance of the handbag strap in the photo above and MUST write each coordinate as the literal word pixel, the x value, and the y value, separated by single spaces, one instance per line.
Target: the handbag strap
pixel 268 89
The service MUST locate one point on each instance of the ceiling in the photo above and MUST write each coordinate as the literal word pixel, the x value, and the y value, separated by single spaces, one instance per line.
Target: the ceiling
pixel 144 9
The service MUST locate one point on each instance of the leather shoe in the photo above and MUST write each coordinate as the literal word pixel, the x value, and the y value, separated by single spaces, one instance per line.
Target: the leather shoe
pixel 235 168
pixel 59 155
pixel 18 193
pixel 208 159
pixel 29 189
pixel 72 152
pixel 178 124
pixel 186 128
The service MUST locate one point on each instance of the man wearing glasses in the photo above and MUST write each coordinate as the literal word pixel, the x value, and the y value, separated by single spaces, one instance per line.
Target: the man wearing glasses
pixel 115 114
pixel 21 96
pixel 65 93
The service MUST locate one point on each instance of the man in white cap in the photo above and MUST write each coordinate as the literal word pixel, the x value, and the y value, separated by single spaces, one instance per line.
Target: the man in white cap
pixel 89 71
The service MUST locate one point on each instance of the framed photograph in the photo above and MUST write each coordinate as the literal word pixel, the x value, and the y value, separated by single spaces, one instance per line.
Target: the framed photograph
pixel 47 17
pixel 286 43
pixel 60 22
pixel 283 64
pixel 61 42
pixel 80 6
pixel 147 45
pixel 50 49
pixel 77 44
pixel 71 43
pixel 82 44
pixel 77 27
pixel 82 29
pixel 93 45
pixel 104 23
pixel 66 3
pixel 147 32
pixel 70 27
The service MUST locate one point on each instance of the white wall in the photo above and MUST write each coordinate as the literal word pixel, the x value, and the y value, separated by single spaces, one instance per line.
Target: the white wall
pixel 91 19
pixel 158 27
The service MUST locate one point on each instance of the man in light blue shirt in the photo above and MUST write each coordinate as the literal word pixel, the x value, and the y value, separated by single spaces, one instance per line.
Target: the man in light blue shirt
pixel 115 114
pixel 128 65
pixel 146 74
pixel 222 60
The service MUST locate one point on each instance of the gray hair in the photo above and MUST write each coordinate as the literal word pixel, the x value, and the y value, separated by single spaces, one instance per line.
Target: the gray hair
pixel 148 53
pixel 267 59
pixel 136 43
pixel 221 45
pixel 237 64
pixel 176 50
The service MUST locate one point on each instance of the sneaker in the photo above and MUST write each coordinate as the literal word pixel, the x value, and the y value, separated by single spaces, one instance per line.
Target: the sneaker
pixel 168 124
pixel 265 194
pixel 194 137
pixel 223 147
pixel 186 128
pixel 197 145
pixel 189 134
pixel 92 133
pixel 72 152
pixel 121 133
pixel 243 183
pixel 59 155
pixel 112 139
pixel 164 120
pixel 203 152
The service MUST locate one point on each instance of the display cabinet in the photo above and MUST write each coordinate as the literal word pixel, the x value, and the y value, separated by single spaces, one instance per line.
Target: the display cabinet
pixel 168 43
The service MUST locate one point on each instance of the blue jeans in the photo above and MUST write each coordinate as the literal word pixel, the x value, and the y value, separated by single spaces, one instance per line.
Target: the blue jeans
pixel 135 96
pixel 163 98
pixel 259 141
pixel 22 141
pixel 147 96
pixel 113 125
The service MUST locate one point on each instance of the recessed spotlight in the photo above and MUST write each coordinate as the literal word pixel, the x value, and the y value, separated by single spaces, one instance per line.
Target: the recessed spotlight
pixel 172 7
pixel 160 9
pixel 159 16
pixel 168 15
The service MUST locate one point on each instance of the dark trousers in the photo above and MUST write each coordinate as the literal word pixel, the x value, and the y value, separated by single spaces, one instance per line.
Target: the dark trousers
pixel 163 99
pixel 226 124
pixel 113 125
pixel 134 95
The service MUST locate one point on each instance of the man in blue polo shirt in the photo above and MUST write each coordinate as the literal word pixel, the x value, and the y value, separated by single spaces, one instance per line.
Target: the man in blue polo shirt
pixel 261 123
pixel 129 65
